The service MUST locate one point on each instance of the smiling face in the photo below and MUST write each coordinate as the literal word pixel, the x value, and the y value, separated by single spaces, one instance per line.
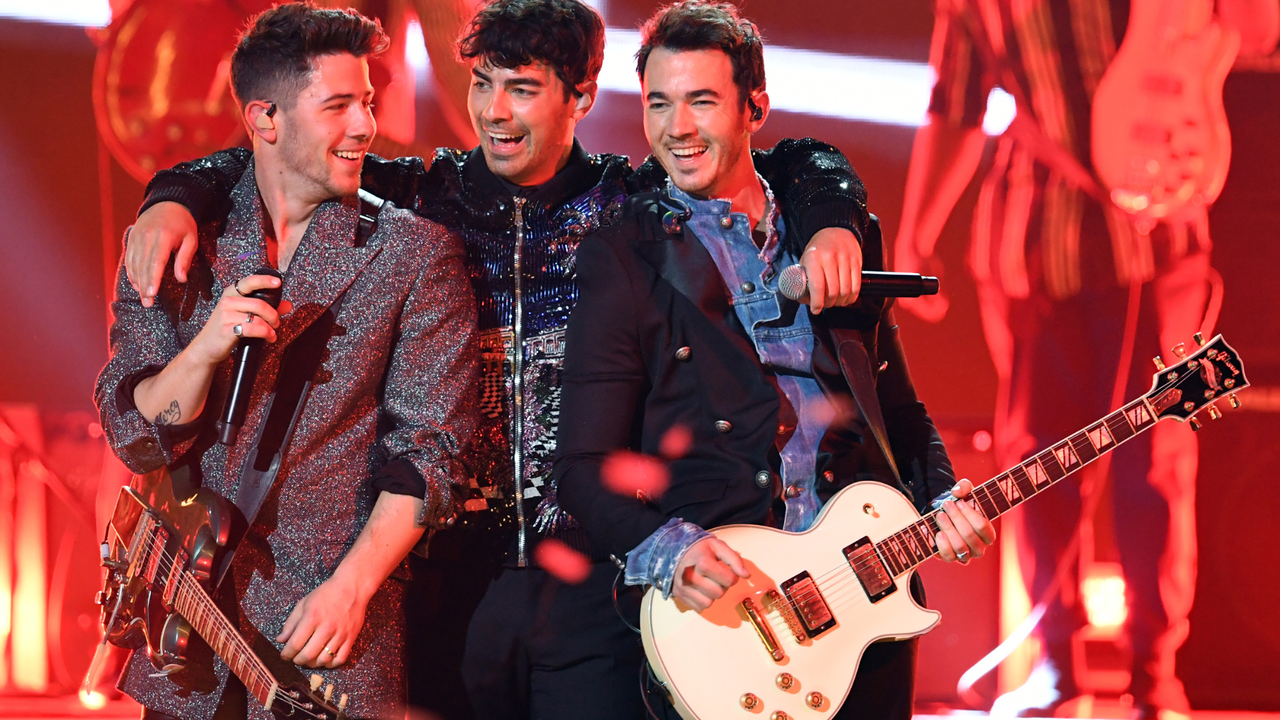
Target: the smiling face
pixel 699 129
pixel 524 120
pixel 323 138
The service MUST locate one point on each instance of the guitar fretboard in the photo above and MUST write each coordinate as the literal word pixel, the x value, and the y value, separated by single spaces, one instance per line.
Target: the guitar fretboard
pixel 193 603
pixel 902 551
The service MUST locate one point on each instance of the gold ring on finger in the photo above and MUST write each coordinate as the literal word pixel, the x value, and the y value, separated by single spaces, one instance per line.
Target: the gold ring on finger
pixel 331 653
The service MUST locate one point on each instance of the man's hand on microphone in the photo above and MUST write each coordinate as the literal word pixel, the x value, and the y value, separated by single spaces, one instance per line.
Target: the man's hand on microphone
pixel 177 395
pixel 705 571
pixel 833 262
pixel 255 318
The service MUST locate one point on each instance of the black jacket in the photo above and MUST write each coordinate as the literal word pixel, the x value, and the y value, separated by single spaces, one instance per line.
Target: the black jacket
pixel 644 296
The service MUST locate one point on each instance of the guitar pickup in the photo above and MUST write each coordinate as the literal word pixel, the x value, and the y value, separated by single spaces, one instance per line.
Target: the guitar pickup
pixel 876 580
pixel 808 604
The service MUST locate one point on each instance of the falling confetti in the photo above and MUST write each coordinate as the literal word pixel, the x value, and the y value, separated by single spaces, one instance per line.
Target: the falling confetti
pixel 562 561
pixel 634 475
pixel 676 442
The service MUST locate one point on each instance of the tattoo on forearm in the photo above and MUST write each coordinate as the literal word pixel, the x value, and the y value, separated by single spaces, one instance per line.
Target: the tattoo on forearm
pixel 169 415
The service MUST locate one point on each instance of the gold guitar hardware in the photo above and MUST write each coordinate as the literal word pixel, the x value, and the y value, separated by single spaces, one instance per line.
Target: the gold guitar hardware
pixel 1214 413
pixel 1228 383
pixel 1194 423
pixel 779 715
pixel 785 681
pixel 1199 338
pixel 749 701
pixel 870 509
pixel 316 681
pixel 1235 401
pixel 814 700
pixel 763 630
pixel 1159 363
pixel 1180 350
pixel 778 603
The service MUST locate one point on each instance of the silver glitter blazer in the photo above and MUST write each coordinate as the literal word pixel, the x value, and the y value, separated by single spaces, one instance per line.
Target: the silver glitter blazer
pixel 397 383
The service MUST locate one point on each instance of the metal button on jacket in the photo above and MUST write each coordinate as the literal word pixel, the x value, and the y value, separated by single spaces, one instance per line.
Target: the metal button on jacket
pixel 684 353
pixel 763 478
pixel 726 222
pixel 724 426
pixel 792 491
pixel 748 287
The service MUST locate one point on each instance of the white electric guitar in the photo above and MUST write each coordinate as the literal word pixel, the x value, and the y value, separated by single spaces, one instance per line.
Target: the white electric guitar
pixel 786 642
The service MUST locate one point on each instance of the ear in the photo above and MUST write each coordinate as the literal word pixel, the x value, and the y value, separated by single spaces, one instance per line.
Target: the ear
pixel 583 103
pixel 258 117
pixel 756 118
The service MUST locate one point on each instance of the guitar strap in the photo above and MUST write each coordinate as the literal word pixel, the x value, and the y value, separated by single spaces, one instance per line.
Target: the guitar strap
pixel 293 385
pixel 857 370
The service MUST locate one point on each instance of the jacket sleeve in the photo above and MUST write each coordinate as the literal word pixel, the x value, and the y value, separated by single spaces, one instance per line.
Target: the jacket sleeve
pixel 605 383
pixel 816 185
pixel 203 186
pixel 143 340
pixel 917 447
pixel 408 182
pixel 429 393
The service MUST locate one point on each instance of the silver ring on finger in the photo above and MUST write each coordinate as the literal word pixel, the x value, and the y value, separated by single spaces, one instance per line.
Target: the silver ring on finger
pixel 962 556
pixel 238 330
pixel 250 317
pixel 236 285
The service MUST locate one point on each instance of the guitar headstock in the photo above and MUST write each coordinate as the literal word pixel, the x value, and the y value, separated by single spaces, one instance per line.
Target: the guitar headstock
pixel 300 702
pixel 1195 383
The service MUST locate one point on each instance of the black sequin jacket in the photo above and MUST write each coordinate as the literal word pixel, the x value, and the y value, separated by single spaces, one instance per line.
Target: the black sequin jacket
pixel 520 254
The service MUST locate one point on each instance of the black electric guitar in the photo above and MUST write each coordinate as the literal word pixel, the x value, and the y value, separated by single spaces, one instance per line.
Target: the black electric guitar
pixel 160 555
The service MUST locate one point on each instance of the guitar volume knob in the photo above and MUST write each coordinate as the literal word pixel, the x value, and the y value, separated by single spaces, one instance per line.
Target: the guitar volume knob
pixel 814 700
pixel 779 715
pixel 784 681
pixel 749 701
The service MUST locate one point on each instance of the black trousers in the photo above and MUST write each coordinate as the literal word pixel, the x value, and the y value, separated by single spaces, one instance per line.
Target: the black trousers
pixel 488 642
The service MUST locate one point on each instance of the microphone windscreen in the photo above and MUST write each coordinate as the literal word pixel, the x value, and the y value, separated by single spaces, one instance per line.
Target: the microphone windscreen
pixel 793 282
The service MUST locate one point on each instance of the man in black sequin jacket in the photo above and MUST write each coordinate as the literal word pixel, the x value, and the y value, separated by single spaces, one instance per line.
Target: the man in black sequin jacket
pixel 484 615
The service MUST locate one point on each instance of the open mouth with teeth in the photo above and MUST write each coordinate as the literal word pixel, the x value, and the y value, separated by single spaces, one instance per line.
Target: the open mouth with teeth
pixel 504 141
pixel 689 153
pixel 353 155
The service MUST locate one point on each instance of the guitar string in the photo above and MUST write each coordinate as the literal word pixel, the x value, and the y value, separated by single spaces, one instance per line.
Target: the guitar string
pixel 261 674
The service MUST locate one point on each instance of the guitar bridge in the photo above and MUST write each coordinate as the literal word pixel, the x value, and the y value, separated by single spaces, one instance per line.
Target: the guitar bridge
pixel 876 580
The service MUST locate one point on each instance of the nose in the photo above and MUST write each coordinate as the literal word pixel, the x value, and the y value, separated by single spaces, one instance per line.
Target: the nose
pixel 681 124
pixel 363 125
pixel 498 109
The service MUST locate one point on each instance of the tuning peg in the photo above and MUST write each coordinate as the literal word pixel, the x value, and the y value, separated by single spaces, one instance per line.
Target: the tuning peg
pixel 328 692
pixel 342 702
pixel 1214 413
pixel 315 681
pixel 1159 363
pixel 1180 350
pixel 1199 338
pixel 1194 423
pixel 1235 401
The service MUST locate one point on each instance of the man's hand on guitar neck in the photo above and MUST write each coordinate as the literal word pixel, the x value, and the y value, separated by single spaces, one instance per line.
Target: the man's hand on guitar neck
pixel 966 532
pixel 705 571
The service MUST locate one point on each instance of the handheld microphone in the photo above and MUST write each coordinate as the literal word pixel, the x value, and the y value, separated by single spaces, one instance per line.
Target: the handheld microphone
pixel 794 283
pixel 248 354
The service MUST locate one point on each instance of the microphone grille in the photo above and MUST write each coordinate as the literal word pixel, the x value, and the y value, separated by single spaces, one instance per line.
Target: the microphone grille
pixel 793 282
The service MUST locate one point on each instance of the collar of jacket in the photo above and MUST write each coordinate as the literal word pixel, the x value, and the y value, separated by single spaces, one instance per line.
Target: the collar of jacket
pixel 581 173
pixel 327 260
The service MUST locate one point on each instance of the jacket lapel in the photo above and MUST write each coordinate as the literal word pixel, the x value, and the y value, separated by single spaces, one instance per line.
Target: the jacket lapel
pixel 685 264
pixel 326 263
pixel 328 260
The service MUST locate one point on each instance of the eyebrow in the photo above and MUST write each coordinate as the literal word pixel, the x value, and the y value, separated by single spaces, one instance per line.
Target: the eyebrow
pixel 510 82
pixel 342 96
pixel 694 95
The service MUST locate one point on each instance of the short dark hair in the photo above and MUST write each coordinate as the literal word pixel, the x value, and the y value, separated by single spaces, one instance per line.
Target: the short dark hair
pixel 565 34
pixel 276 54
pixel 699 25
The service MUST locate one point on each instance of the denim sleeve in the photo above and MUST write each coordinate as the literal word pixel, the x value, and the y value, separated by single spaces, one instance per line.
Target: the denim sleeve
pixel 653 562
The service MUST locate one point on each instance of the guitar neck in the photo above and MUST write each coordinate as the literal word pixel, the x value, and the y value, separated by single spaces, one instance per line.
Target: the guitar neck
pixel 193 603
pixel 907 548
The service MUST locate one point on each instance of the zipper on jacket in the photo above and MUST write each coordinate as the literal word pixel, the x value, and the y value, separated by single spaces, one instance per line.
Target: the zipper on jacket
pixel 517 383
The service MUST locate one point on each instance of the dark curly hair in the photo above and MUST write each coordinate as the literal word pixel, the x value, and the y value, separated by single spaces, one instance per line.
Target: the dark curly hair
pixel 565 34
pixel 699 25
pixel 276 54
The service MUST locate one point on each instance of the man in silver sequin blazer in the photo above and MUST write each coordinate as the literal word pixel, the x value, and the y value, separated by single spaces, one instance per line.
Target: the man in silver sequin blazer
pixel 317 580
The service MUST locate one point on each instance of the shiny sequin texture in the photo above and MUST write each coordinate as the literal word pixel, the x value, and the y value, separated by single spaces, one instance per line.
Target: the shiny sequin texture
pixel 456 189
pixel 396 383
